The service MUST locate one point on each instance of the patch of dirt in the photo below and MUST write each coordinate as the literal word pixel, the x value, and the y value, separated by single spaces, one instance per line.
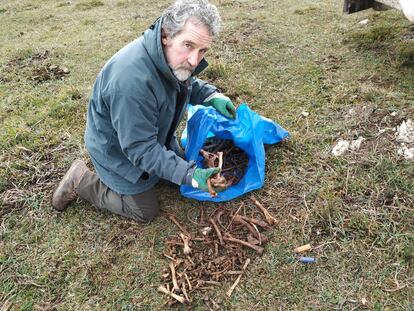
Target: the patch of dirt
pixel 249 29
pixel 25 61
pixel 35 67
pixel 47 72
pixel 32 176
pixel 377 79
pixel 330 62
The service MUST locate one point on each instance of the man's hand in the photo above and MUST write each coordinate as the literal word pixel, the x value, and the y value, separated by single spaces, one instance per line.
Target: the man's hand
pixel 201 176
pixel 222 104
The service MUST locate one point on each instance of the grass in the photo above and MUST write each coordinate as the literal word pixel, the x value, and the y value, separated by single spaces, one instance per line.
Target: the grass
pixel 88 5
pixel 282 58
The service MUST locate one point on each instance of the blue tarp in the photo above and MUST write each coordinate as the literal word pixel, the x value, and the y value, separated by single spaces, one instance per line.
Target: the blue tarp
pixel 249 132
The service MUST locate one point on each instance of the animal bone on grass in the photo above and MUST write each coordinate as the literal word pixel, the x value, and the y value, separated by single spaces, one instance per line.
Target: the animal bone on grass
pixel 228 237
pixel 186 241
pixel 180 299
pixel 253 230
pixel 177 223
pixel 231 289
pixel 174 277
pixel 213 222
pixel 269 218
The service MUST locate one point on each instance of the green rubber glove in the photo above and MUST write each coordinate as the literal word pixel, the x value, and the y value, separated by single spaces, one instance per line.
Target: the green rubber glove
pixel 200 177
pixel 223 105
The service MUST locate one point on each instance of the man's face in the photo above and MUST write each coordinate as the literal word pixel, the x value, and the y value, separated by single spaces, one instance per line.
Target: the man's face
pixel 185 51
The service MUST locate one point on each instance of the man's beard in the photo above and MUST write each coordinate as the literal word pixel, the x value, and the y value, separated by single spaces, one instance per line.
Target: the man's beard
pixel 182 72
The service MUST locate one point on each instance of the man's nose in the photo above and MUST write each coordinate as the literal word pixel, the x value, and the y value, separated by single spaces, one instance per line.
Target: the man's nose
pixel 193 59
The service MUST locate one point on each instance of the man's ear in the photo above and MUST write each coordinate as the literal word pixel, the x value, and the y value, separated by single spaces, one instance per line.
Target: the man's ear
pixel 164 37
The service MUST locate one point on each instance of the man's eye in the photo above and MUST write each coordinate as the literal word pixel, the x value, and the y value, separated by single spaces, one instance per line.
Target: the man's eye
pixel 187 45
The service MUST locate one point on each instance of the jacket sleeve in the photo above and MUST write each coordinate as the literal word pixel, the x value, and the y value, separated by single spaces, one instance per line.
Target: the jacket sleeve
pixel 200 91
pixel 135 118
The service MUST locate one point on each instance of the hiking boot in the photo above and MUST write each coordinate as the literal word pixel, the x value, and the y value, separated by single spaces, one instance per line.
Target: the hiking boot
pixel 65 192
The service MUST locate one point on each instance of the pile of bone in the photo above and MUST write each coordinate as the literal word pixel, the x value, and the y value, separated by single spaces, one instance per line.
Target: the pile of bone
pixel 231 160
pixel 217 253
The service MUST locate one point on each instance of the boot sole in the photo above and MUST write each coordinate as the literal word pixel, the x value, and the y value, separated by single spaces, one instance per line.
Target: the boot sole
pixel 74 165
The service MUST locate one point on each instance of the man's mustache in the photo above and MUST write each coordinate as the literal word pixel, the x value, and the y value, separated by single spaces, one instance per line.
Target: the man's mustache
pixel 185 67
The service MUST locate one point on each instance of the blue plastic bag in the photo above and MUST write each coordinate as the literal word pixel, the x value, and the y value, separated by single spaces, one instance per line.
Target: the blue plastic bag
pixel 249 132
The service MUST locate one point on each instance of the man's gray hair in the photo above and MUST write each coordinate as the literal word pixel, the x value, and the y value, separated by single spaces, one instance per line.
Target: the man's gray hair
pixel 198 11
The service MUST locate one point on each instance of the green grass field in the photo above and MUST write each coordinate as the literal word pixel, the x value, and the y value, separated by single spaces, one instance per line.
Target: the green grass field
pixel 282 58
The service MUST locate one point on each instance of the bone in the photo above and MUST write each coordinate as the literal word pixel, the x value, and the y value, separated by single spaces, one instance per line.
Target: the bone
pixel 231 289
pixel 261 237
pixel 252 240
pixel 218 217
pixel 269 218
pixel 211 190
pixel 188 281
pixel 177 223
pixel 255 221
pixel 211 259
pixel 213 222
pixel 180 299
pixel 228 237
pixel 208 282
pixel 185 292
pixel 303 248
pixel 206 230
pixel 203 221
pixel 174 277
pixel 186 241
pixel 209 158
pixel 220 160
pixel 216 181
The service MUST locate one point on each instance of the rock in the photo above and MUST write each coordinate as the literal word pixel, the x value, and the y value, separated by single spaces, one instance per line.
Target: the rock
pixel 408 9
pixel 356 144
pixel 408 153
pixel 343 146
pixel 405 132
pixel 340 148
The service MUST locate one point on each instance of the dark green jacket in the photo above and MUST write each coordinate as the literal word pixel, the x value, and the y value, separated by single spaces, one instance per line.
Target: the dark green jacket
pixel 134 110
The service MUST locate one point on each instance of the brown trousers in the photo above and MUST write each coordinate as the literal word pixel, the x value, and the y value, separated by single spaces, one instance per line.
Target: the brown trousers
pixel 142 207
